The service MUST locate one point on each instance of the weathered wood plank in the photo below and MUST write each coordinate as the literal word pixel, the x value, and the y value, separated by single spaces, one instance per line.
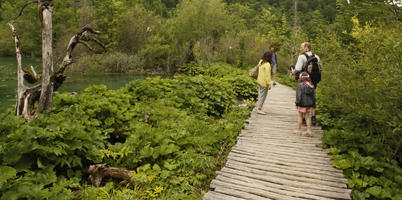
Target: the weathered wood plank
pixel 278 144
pixel 277 188
pixel 271 156
pixel 297 173
pixel 256 142
pixel 296 181
pixel 283 162
pixel 251 190
pixel 292 170
pixel 212 195
pixel 286 151
pixel 224 189
pixel 283 180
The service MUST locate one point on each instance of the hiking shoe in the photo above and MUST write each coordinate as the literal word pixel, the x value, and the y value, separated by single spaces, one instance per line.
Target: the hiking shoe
pixel 313 120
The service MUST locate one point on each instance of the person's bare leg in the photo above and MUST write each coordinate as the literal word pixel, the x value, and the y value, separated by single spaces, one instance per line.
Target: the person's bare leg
pixel 299 123
pixel 308 122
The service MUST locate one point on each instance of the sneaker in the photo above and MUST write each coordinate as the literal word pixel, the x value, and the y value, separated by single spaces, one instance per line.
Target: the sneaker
pixel 313 120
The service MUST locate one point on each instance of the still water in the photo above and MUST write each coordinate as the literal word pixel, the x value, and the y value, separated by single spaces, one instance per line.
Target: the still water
pixel 73 83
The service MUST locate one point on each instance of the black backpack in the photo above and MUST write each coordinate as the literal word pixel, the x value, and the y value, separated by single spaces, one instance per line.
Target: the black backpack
pixel 312 68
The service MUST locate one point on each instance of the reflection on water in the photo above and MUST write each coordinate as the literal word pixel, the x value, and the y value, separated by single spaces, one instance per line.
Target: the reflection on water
pixel 73 83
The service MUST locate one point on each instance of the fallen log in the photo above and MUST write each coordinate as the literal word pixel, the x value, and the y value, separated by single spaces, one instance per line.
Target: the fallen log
pixel 99 171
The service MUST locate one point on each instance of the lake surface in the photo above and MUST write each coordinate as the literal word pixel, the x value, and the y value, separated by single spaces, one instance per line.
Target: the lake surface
pixel 73 83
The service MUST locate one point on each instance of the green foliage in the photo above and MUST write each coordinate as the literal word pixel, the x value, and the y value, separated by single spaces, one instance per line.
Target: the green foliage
pixel 359 98
pixel 286 80
pixel 191 69
pixel 242 85
pixel 113 62
pixel 172 133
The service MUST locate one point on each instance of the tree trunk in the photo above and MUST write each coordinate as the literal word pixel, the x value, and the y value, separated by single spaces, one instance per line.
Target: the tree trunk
pixel 295 29
pixel 46 96
pixel 25 96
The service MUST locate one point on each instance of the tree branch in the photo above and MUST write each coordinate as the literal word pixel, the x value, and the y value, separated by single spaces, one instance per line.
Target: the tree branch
pixel 83 35
pixel 22 9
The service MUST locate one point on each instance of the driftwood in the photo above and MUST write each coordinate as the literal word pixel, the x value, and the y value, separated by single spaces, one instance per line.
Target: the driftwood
pixel 99 171
pixel 51 81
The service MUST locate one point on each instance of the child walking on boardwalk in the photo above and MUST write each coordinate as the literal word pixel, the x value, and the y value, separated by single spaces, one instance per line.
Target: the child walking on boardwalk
pixel 305 101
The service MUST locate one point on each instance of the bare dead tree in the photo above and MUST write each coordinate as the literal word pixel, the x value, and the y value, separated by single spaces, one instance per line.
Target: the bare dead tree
pixel 51 81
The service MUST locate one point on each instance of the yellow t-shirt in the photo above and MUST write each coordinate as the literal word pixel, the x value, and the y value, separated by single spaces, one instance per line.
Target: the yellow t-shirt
pixel 264 74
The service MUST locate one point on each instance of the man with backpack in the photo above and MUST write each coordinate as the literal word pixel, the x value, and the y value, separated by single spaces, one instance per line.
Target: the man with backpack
pixel 310 63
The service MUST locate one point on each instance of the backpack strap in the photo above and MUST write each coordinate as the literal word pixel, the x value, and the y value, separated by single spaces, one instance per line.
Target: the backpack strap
pixel 307 57
pixel 304 68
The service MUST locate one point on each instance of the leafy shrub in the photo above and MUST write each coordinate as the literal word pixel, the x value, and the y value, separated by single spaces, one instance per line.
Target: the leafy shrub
pixel 172 133
pixel 198 94
pixel 114 62
pixel 244 86
pixel 191 69
pixel 359 100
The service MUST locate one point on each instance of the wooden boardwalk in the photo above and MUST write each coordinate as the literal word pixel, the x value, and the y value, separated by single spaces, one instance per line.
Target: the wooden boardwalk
pixel 269 161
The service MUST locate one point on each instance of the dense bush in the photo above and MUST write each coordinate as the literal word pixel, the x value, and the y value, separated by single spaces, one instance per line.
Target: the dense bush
pixel 113 62
pixel 359 101
pixel 173 153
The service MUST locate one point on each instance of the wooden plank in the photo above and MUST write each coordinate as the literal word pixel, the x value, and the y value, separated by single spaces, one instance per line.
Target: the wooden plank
pixel 296 144
pixel 285 162
pixel 308 141
pixel 224 189
pixel 263 194
pixel 241 143
pixel 212 195
pixel 268 147
pixel 283 153
pixel 298 173
pixel 268 156
pixel 277 188
pixel 284 169
pixel 284 179
pixel 311 148
pixel 272 156
pixel 286 151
